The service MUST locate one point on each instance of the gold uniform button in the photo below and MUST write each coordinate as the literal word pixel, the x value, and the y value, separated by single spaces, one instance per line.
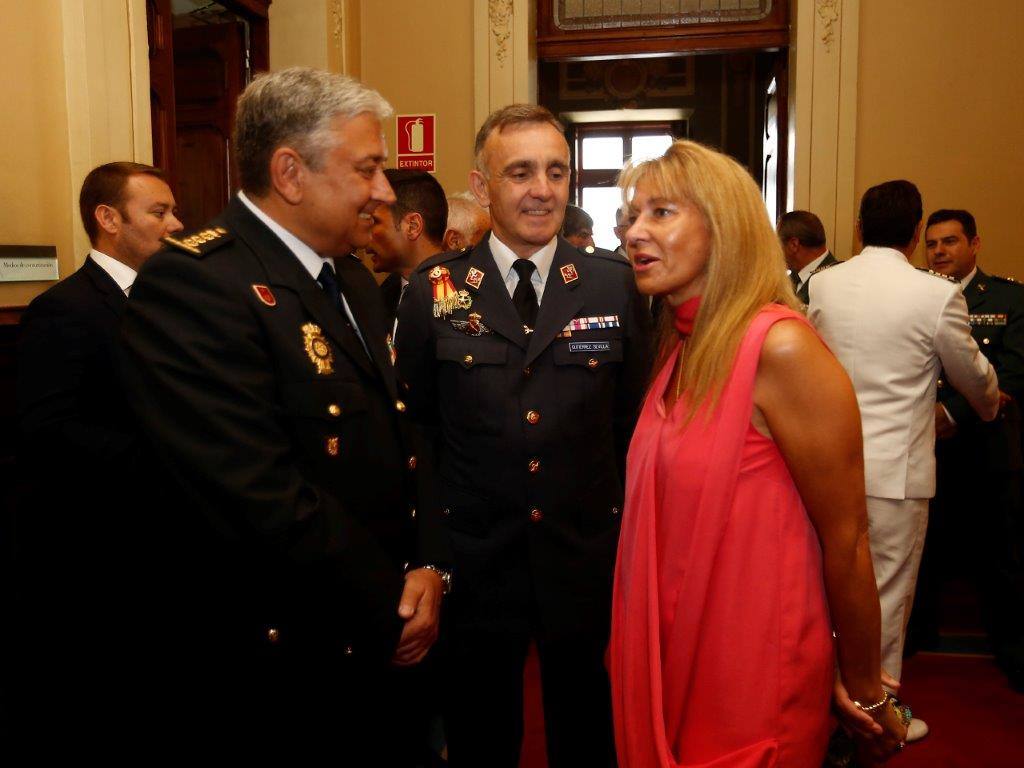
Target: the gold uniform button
pixel 534 466
pixel 446 511
pixel 592 363
pixel 940 383
pixel 332 446
pixel 527 371
pixel 536 515
pixel 532 417
pixel 984 341
pixel 399 406
pixel 334 409
pixel 615 510
pixel 412 513
pixel 467 360
pixel 273 635
pixel 412 462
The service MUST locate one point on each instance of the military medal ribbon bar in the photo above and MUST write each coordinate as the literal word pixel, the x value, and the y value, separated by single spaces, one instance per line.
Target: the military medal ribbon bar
pixel 589 324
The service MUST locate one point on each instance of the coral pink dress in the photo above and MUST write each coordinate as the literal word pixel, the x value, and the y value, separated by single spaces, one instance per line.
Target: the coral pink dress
pixel 721 648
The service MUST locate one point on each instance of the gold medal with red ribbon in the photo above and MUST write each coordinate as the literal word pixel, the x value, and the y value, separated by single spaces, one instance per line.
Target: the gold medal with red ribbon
pixel 446 298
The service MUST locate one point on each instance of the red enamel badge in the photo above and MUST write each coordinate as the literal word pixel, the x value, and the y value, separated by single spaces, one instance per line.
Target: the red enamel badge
pixel 474 277
pixel 264 294
pixel 569 273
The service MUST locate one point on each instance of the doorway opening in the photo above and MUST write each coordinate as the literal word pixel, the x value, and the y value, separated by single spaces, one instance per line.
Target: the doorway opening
pixel 202 55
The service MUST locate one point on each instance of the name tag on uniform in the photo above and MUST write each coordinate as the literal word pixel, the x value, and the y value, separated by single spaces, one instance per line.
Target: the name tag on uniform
pixel 589 346
pixel 589 324
pixel 987 319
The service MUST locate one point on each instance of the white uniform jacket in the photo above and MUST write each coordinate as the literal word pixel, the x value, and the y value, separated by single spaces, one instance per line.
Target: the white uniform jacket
pixel 893 328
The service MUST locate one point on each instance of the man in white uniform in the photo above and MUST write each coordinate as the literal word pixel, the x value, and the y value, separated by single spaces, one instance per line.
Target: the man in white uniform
pixel 893 327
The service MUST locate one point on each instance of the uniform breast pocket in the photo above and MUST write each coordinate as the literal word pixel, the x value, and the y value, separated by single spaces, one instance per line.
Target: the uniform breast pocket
pixel 589 367
pixel 330 420
pixel 471 383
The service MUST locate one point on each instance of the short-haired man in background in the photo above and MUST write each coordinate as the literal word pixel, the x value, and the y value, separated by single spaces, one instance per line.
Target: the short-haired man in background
pixel 803 244
pixel 77 531
pixel 578 227
pixel 974 527
pixel 468 222
pixel 306 576
pixel 528 358
pixel 406 233
pixel 893 328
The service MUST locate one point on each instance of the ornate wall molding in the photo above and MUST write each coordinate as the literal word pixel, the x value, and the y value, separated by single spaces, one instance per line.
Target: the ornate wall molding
pixel 829 12
pixel 499 15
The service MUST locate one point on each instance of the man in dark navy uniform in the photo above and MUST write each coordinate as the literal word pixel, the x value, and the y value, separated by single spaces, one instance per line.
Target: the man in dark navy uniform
pixel 308 583
pixel 528 357
pixel 976 519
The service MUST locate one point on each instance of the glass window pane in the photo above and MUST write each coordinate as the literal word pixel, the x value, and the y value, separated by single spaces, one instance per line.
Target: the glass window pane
pixel 602 152
pixel 650 147
pixel 601 203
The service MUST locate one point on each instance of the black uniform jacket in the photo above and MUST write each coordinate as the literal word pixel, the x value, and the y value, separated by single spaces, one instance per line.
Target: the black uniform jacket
pixel 78 450
pixel 532 431
pixel 996 307
pixel 390 292
pixel 283 439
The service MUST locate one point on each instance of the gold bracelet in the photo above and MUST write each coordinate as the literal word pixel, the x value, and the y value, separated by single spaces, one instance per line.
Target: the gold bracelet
pixel 872 707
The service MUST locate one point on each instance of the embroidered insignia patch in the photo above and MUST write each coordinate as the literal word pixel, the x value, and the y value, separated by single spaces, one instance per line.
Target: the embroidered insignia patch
pixel 264 294
pixel 472 326
pixel 318 349
pixel 569 273
pixel 474 277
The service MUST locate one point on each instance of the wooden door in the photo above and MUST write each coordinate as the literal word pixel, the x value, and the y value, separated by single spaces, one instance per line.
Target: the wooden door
pixel 209 74
pixel 161 85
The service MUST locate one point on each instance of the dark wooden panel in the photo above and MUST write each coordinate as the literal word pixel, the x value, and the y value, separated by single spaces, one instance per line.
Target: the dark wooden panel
pixel 557 44
pixel 161 86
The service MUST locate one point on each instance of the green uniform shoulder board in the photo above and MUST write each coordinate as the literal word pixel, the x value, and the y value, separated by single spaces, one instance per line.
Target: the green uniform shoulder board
pixel 199 243
pixel 601 253
pixel 823 267
pixel 1004 279
pixel 441 258
pixel 947 278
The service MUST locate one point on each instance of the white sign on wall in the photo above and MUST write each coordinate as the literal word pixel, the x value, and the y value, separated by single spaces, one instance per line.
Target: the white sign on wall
pixel 28 263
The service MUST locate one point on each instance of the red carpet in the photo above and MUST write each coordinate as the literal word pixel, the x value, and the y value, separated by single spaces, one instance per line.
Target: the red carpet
pixel 976 720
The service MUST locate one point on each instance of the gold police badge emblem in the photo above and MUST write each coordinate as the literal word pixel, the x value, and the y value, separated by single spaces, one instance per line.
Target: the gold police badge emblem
pixel 318 349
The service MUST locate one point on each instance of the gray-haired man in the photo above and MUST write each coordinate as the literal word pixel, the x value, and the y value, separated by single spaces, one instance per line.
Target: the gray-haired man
pixel 307 580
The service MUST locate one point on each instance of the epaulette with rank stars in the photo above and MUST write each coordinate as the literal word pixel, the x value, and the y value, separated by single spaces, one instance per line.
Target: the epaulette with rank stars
pixel 947 278
pixel 199 243
pixel 1009 280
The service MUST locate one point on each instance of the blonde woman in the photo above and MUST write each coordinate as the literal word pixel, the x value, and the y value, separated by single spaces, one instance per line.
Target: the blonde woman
pixel 744 541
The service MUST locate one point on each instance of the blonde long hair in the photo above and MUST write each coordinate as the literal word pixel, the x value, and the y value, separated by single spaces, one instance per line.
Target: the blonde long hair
pixel 746 269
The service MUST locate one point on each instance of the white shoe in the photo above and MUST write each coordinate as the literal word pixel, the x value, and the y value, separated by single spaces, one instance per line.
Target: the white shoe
pixel 917 730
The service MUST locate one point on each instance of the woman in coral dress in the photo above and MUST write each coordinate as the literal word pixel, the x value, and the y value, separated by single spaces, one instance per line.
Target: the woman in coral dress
pixel 744 539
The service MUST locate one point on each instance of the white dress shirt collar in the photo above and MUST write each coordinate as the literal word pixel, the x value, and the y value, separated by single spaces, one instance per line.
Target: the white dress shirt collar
pixel 804 273
pixel 119 272
pixel 504 258
pixel 309 258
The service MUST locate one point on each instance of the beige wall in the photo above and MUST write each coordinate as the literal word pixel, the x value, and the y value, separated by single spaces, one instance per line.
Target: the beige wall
pixel 419 54
pixel 941 103
pixel 69 82
pixel 298 33
pixel 35 205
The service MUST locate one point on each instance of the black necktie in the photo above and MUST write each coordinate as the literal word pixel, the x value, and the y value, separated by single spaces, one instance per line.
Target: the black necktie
pixel 329 282
pixel 525 297
pixel 794 278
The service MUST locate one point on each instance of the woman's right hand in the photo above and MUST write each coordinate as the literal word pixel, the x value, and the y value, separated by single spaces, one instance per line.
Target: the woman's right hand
pixel 877 748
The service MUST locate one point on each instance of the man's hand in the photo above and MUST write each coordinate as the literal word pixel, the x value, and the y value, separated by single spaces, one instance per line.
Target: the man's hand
pixel 944 428
pixel 420 606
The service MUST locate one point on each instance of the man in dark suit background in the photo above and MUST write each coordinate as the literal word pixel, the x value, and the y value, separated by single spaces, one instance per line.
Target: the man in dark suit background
pixel 803 244
pixel 308 577
pixel 528 357
pixel 80 453
pixel 406 233
pixel 976 516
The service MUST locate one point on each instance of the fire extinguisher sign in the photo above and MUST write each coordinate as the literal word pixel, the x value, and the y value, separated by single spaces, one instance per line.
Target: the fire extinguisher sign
pixel 416 138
